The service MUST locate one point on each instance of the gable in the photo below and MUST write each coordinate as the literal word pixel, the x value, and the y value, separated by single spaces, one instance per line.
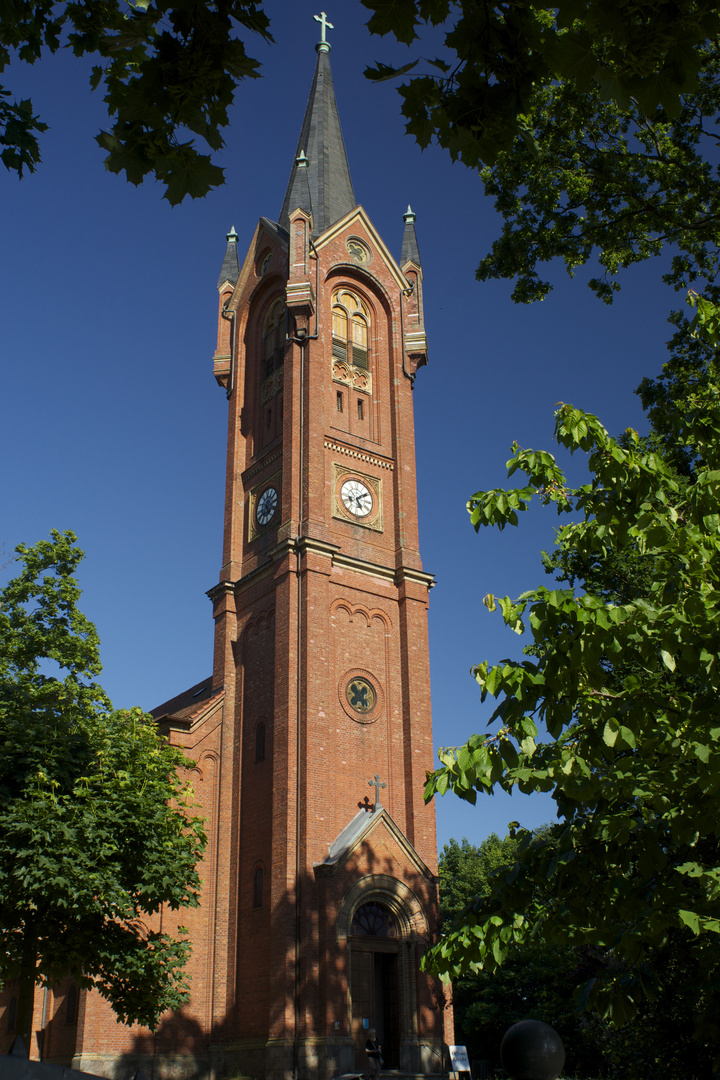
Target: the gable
pixel 358 221
pixel 364 838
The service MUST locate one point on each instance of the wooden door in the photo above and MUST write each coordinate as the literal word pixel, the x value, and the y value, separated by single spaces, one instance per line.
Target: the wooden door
pixel 374 989
pixel 362 987
pixel 386 1005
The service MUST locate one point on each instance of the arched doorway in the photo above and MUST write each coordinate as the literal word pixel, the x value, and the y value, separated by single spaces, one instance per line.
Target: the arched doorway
pixel 374 990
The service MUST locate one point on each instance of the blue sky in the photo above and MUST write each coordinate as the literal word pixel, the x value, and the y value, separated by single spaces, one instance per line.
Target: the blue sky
pixel 112 424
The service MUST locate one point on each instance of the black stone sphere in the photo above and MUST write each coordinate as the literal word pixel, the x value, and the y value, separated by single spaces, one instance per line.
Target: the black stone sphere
pixel 532 1050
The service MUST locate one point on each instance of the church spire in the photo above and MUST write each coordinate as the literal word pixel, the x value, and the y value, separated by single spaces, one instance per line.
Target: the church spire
pixel 326 182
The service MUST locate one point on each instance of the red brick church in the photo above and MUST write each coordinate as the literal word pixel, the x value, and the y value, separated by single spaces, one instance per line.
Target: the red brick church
pixel 313 734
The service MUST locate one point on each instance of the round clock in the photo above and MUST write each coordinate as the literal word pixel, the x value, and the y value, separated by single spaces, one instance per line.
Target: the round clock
pixel 356 498
pixel 266 506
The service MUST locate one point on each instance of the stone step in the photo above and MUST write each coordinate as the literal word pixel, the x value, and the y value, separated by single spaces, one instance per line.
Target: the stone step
pixel 394 1074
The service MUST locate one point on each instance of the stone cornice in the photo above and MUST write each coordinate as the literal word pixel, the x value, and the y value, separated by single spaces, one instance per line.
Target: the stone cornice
pixel 395 574
pixel 221 589
pixel 308 545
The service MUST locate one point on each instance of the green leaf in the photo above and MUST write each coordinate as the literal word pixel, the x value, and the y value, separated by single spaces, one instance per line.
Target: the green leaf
pixel 668 659
pixel 385 72
pixel 397 17
pixel 610 733
pixel 690 919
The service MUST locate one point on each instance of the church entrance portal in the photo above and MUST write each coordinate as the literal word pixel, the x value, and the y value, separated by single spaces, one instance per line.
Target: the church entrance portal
pixel 374 983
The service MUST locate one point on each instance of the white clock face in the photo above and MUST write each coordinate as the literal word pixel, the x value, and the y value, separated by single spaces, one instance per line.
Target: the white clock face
pixel 266 506
pixel 356 498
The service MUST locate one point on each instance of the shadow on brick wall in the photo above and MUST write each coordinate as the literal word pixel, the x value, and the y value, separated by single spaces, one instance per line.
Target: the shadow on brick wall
pixel 256 1034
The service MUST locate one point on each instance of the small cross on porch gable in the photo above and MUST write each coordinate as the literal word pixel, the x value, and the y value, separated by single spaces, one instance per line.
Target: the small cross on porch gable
pixel 377 783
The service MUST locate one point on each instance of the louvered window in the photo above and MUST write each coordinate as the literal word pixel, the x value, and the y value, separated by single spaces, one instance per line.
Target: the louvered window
pixel 351 329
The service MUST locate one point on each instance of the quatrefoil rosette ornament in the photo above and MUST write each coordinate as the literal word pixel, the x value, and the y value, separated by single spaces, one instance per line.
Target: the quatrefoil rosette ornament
pixel 361 696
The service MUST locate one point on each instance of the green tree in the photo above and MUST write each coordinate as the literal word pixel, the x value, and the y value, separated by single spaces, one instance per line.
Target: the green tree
pixel 96 824
pixel 627 690
pixel 536 981
pixel 465 870
pixel 168 70
pixel 594 127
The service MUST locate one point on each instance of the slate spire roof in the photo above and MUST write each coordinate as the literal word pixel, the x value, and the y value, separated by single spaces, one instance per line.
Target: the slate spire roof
pixel 231 264
pixel 410 252
pixel 324 182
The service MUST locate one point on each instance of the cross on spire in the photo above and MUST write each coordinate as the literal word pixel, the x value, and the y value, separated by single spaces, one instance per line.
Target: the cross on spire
pixel 324 25
pixel 377 783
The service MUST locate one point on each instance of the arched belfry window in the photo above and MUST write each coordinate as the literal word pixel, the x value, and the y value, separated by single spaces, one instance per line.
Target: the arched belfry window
pixel 350 329
pixel 373 920
pixel 273 339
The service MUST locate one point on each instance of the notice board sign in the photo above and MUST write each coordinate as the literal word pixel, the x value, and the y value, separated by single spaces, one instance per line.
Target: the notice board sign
pixel 459 1061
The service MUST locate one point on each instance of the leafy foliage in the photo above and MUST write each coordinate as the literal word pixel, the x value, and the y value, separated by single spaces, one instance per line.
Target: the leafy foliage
pixel 535 982
pixel 538 980
pixel 167 69
pixel 480 100
pixel 465 871
pixel 594 125
pixel 627 689
pixel 96 828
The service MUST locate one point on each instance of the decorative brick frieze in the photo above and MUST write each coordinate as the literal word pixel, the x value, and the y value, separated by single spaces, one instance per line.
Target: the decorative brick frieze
pixel 359 455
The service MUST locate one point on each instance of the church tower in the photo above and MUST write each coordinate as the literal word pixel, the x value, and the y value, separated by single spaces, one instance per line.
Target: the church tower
pixel 321 629
pixel 313 735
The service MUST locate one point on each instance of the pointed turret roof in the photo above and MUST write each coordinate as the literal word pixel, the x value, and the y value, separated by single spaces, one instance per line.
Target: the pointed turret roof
pixel 410 252
pixel 324 181
pixel 231 264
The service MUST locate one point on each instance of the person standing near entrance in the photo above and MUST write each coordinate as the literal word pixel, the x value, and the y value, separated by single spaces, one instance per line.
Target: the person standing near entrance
pixel 372 1049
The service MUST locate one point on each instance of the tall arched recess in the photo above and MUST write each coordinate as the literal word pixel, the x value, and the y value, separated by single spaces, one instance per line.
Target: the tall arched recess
pixel 383 927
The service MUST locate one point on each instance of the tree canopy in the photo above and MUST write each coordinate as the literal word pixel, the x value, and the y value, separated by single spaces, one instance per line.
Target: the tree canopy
pixel 538 980
pixel 168 70
pixel 627 689
pixel 96 822
pixel 594 126
pixel 535 982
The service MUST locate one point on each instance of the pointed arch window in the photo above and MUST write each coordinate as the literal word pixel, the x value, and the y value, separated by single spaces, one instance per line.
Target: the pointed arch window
pixel 273 342
pixel 258 887
pixel 350 329
pixel 260 741
pixel 71 1004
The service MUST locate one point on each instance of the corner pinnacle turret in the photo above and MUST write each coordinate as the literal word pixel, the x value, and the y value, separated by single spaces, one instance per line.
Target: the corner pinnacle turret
pixel 230 269
pixel 410 252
